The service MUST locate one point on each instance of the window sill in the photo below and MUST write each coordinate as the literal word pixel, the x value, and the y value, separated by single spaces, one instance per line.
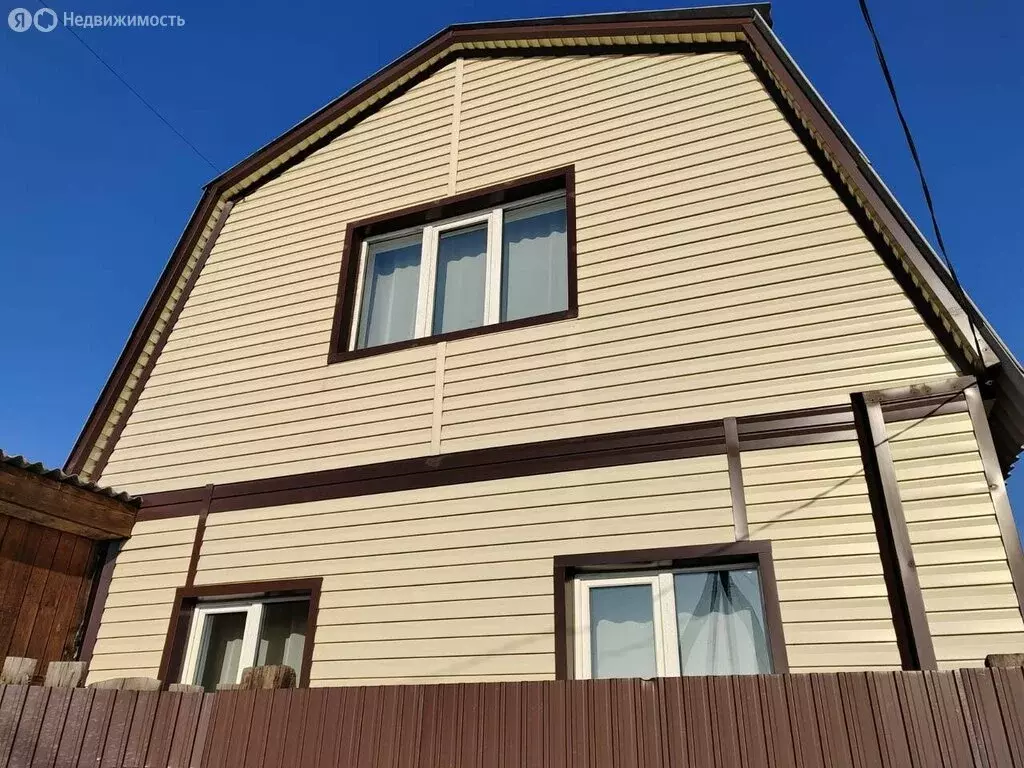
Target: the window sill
pixel 338 356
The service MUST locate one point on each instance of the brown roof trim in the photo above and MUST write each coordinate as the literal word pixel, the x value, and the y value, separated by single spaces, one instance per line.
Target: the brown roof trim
pixel 1007 417
pixel 707 25
pixel 810 426
pixel 685 20
pixel 140 334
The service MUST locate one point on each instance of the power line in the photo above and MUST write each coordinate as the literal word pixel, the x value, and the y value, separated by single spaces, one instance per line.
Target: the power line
pixel 139 96
pixel 920 173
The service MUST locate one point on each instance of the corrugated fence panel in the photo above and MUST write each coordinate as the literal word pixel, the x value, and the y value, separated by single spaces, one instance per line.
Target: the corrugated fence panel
pixel 961 563
pixel 966 718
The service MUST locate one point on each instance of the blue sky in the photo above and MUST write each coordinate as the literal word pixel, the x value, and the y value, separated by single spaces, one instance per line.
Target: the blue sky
pixel 94 190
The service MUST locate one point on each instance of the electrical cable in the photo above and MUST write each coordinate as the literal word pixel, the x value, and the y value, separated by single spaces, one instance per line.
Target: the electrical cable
pixel 920 172
pixel 139 96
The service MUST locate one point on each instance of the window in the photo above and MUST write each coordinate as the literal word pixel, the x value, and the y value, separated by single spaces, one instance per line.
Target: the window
pixel 707 610
pixel 218 630
pixel 695 622
pixel 494 259
pixel 228 637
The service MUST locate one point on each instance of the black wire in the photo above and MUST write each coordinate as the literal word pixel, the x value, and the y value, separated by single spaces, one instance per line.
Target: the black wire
pixel 920 173
pixel 138 95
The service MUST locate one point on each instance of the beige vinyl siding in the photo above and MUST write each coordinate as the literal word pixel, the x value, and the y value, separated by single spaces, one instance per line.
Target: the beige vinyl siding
pixel 242 389
pixel 812 502
pixel 455 583
pixel 150 566
pixel 719 273
pixel 961 563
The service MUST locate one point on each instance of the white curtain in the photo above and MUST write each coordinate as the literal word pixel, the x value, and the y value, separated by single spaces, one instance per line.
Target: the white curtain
pixel 622 631
pixel 223 649
pixel 390 289
pixel 461 280
pixel 534 279
pixel 720 623
pixel 283 634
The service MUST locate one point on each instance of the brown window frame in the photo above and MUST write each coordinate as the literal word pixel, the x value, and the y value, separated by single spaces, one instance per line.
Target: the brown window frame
pixel 755 553
pixel 186 599
pixel 437 210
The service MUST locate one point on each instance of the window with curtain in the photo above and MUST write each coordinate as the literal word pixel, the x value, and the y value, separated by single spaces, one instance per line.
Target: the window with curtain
pixel 699 621
pixel 492 266
pixel 228 637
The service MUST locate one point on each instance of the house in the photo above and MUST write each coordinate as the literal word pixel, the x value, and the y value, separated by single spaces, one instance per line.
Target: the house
pixel 559 348
pixel 54 530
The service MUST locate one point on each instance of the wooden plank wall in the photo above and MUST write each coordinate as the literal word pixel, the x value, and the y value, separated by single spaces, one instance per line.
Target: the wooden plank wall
pixel 45 580
pixel 966 718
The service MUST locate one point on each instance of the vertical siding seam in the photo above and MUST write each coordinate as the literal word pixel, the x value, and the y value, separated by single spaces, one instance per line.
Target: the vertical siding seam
pixel 736 493
pixel 435 426
pixel 453 146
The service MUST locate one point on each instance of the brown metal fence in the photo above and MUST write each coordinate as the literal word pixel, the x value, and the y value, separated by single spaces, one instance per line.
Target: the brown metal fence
pixel 964 718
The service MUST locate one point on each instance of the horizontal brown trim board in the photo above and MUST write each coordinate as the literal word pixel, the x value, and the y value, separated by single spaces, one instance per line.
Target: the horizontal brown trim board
pixel 777 430
pixel 633 447
pixel 754 552
pixel 186 599
pixel 462 204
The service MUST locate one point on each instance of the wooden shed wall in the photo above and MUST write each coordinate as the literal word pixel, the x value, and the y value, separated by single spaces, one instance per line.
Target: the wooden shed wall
pixel 45 581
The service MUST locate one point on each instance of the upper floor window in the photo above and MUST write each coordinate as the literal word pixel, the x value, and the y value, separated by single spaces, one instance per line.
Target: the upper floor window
pixel 488 260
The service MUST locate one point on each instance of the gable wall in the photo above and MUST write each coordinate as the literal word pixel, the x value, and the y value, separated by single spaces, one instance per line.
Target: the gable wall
pixel 719 275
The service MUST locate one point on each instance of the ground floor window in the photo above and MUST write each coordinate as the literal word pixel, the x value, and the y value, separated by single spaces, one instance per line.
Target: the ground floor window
pixel 707 610
pixel 230 636
pixel 685 622
pixel 219 630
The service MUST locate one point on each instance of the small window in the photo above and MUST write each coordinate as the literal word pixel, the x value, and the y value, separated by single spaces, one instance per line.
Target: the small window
pixel 227 637
pixel 492 266
pixel 496 258
pixel 700 621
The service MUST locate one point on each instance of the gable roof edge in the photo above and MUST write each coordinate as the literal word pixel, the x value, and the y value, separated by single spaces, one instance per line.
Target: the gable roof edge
pixel 998 368
pixel 903 237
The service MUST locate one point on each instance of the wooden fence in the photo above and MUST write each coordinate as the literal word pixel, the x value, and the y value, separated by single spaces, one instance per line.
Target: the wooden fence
pixel 964 718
